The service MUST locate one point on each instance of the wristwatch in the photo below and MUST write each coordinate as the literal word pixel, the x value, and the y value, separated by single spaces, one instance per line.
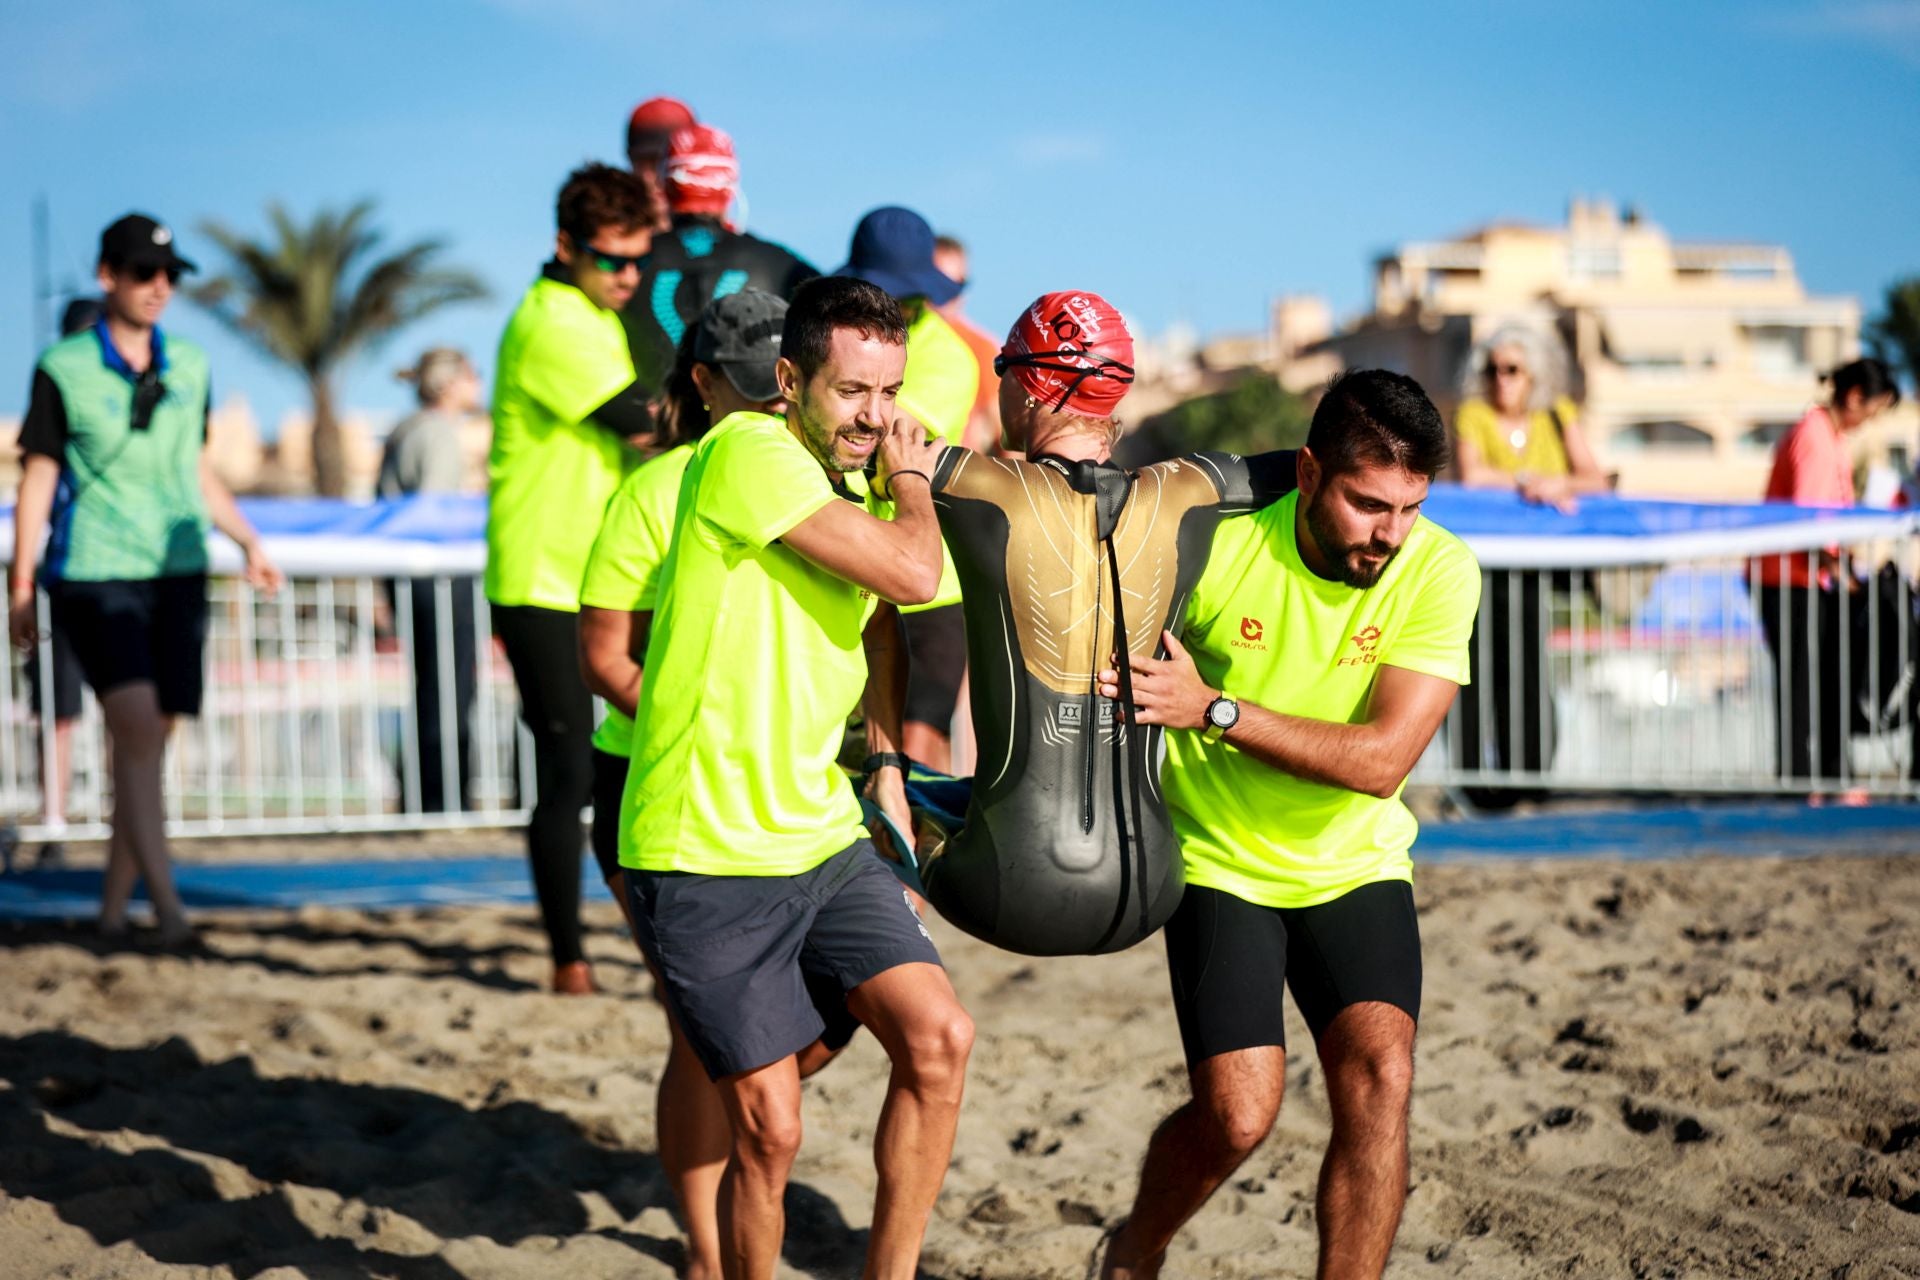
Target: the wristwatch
pixel 1222 714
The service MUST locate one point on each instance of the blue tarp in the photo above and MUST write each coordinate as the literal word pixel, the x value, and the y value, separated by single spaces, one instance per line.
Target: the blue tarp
pixel 1469 512
pixel 1732 830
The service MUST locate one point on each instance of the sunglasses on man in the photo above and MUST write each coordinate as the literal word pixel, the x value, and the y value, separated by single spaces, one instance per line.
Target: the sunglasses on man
pixel 611 263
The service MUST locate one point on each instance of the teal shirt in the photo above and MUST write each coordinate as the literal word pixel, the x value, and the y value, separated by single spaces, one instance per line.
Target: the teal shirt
pixel 129 505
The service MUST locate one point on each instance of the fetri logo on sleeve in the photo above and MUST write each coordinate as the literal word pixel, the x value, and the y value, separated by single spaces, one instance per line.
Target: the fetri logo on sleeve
pixel 1252 633
pixel 1365 641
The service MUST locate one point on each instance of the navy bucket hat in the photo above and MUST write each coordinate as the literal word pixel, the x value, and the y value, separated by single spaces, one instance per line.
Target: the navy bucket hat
pixel 893 248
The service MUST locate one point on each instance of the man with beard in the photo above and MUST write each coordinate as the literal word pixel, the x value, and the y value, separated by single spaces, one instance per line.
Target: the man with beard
pixel 748 869
pixel 1324 644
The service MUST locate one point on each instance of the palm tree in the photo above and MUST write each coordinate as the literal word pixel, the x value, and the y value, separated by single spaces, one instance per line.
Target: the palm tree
pixel 313 297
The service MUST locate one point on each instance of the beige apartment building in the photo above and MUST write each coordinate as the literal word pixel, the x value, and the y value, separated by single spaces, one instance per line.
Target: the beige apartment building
pixel 1688 360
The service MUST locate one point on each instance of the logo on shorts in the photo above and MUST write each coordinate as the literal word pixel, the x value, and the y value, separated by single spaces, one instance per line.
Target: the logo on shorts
pixel 915 913
pixel 1365 641
pixel 1252 634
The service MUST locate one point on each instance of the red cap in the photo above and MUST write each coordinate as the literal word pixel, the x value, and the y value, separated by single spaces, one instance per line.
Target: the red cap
pixel 659 115
pixel 703 176
pixel 1073 352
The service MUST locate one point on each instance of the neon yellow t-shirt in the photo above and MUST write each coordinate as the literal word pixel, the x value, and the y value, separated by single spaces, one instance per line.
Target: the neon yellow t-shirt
pixel 942 378
pixel 1267 629
pixel 551 471
pixel 623 571
pixel 754 664
pixel 1544 452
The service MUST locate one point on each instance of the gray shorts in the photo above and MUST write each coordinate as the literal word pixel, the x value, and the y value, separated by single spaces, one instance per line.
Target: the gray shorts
pixel 738 955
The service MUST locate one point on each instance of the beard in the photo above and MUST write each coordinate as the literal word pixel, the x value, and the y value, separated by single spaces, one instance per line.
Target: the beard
pixel 827 443
pixel 1343 556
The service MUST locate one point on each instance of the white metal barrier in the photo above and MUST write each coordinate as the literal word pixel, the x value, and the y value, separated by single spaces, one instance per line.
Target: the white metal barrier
pixel 1668 677
pixel 1611 674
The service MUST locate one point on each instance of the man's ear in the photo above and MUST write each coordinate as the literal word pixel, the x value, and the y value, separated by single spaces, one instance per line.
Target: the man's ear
pixel 787 374
pixel 1307 473
pixel 563 248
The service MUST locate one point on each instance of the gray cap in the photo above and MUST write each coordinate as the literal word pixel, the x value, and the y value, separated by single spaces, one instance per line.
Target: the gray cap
pixel 741 334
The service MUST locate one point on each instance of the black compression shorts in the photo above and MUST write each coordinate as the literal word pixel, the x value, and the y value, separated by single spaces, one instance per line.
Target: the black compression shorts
pixel 1228 959
pixel 129 630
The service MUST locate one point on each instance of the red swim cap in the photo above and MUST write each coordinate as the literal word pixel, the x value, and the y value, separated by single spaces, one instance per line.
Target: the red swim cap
pixel 1073 352
pixel 658 116
pixel 703 176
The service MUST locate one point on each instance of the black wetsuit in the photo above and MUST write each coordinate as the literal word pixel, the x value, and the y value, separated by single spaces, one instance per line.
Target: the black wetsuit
pixel 688 267
pixel 1067 847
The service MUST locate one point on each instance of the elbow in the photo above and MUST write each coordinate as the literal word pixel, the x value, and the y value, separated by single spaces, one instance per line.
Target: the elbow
pixel 919 588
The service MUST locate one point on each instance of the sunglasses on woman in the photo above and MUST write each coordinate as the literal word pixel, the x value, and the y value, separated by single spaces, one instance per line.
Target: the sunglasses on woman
pixel 1506 370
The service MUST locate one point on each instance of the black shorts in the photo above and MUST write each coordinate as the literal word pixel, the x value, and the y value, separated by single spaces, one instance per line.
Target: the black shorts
pixel 609 783
pixel 55 655
pixel 936 663
pixel 140 629
pixel 1228 959
pixel 746 962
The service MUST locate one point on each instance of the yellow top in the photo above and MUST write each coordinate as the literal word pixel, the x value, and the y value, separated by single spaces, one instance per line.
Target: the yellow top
pixel 1543 453
pixel 754 662
pixel 1266 628
pixel 942 377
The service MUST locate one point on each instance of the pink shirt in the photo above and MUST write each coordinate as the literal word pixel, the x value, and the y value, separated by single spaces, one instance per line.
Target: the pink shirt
pixel 1811 468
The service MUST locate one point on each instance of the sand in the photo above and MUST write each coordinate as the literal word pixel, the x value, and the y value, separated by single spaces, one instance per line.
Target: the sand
pixel 1689 1069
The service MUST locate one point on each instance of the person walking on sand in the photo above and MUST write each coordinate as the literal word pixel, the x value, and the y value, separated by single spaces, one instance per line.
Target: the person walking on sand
pixel 748 870
pixel 116 475
pixel 1325 642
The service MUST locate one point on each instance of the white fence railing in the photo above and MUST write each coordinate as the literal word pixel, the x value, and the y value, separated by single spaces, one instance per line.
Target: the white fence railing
pixel 1595 671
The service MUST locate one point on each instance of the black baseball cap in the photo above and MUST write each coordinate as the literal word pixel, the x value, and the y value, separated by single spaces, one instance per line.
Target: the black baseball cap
pixel 139 241
pixel 741 334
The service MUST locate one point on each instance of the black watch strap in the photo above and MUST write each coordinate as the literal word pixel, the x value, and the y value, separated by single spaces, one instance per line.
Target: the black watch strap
pixel 886 760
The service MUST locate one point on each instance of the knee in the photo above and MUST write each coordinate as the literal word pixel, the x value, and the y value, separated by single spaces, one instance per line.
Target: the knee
pixel 1238 1124
pixel 939 1049
pixel 1375 1082
pixel 769 1141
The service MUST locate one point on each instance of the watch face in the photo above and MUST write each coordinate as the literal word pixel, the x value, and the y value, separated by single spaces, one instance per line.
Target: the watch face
pixel 1222 713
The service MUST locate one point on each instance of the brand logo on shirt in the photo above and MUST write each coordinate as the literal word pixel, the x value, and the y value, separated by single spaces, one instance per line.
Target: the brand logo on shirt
pixel 1365 641
pixel 1252 634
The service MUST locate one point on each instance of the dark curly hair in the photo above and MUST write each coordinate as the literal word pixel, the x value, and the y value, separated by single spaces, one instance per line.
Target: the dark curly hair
pixel 1374 418
pixel 826 303
pixel 599 195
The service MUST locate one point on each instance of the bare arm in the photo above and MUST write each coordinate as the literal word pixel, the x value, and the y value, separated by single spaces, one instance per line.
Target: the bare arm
pixel 1475 471
pixel 1584 473
pixel 612 643
pixel 885 703
pixel 897 559
pixel 225 512
pixel 1372 757
pixel 39 477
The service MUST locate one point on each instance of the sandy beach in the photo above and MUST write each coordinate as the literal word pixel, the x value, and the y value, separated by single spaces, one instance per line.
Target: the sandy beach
pixel 1706 1068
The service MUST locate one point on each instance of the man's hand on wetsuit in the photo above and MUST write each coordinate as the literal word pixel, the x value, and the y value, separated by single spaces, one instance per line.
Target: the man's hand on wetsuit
pixel 906 447
pixel 1166 691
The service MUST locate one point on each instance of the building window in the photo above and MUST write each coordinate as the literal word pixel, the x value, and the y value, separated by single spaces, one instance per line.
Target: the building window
pixel 1593 261
pixel 1761 437
pixel 1779 351
pixel 1666 436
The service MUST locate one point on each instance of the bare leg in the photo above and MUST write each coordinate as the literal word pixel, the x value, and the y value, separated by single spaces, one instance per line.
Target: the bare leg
pixel 915 1015
pixel 116 887
pixel 1236 1097
pixel 1367 1054
pixel 57 774
pixel 140 730
pixel 763 1108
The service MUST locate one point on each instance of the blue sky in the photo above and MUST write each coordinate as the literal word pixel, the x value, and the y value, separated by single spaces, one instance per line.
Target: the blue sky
pixel 1190 161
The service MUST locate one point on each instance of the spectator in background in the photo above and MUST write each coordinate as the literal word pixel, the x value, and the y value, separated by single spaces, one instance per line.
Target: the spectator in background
pixel 116 472
pixel 700 257
pixel 1800 594
pixel 983 426
pixel 1516 430
pixel 423 456
pixel 894 248
pixel 52 661
pixel 650 130
pixel 568 421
